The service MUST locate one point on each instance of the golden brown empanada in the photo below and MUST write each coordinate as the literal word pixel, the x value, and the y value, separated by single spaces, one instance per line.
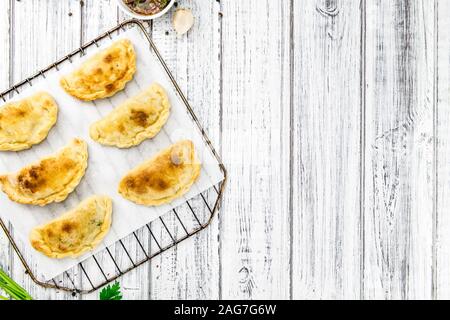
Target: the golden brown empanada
pixel 50 179
pixel 76 231
pixel 103 74
pixel 26 122
pixel 163 178
pixel 138 118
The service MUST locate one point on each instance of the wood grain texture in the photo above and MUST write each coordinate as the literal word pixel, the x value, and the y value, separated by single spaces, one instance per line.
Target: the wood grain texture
pixel 191 270
pixel 255 238
pixel 442 132
pixel 399 179
pixel 5 30
pixel 326 150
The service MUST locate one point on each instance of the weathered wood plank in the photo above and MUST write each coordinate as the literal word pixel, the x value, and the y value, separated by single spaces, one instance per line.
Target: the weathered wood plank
pixel 326 133
pixel 255 221
pixel 4 84
pixel 98 17
pixel 399 177
pixel 191 271
pixel 43 32
pixel 442 120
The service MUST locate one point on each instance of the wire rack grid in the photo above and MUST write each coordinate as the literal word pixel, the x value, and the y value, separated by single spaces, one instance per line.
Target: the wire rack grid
pixel 151 240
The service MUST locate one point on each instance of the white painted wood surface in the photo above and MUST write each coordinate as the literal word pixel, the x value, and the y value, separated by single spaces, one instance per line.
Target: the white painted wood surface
pixel 332 120
pixel 326 150
pixel 399 178
pixel 255 147
pixel 441 128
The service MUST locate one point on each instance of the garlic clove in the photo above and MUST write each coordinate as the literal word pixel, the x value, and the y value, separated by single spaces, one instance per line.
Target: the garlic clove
pixel 182 20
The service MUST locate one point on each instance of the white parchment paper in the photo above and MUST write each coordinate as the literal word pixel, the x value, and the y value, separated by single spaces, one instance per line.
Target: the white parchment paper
pixel 106 164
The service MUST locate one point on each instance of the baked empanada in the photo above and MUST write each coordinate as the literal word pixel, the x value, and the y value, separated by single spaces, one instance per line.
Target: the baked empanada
pixel 76 231
pixel 50 179
pixel 26 122
pixel 103 74
pixel 163 178
pixel 138 118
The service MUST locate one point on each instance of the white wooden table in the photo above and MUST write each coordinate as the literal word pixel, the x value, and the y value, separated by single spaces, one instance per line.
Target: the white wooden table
pixel 333 120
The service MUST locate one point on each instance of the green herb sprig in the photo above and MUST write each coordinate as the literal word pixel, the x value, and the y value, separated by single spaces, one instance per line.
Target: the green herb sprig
pixel 111 292
pixel 12 288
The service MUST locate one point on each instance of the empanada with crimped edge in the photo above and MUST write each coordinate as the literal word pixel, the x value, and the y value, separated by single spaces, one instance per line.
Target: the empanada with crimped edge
pixel 76 231
pixel 163 178
pixel 27 122
pixel 136 119
pixel 49 180
pixel 104 74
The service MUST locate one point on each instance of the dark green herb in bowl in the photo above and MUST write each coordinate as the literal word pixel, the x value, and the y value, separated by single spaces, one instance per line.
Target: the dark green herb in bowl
pixel 146 7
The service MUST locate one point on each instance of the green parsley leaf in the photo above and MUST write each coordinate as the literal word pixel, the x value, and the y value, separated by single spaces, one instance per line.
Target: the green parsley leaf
pixel 111 292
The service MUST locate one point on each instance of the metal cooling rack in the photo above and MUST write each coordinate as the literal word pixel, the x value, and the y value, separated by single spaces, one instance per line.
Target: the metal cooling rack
pixel 146 243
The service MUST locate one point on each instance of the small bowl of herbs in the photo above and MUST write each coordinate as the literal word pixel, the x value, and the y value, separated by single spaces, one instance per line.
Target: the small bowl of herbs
pixel 145 9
